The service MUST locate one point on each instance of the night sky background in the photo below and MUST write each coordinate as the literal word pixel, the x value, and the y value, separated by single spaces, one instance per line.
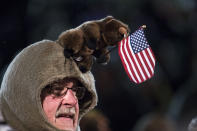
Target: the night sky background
pixel 171 31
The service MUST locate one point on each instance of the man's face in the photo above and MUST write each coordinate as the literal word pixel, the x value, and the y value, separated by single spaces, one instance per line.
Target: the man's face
pixel 61 106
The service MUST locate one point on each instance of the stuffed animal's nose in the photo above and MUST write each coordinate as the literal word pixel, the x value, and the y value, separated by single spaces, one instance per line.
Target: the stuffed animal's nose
pixel 123 31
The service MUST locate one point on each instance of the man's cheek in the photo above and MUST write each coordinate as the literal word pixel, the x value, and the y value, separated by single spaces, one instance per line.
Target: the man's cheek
pixel 50 107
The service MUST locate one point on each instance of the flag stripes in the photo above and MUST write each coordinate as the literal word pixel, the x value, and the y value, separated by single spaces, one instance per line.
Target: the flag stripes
pixel 130 72
pixel 138 66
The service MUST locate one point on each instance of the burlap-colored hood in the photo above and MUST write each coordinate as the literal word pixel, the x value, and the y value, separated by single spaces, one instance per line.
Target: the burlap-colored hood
pixel 32 69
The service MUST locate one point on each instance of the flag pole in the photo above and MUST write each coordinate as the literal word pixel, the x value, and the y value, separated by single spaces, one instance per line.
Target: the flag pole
pixel 142 27
pixel 109 51
pixel 112 48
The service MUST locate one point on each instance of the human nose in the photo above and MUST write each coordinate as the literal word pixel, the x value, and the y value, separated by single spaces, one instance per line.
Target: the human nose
pixel 69 98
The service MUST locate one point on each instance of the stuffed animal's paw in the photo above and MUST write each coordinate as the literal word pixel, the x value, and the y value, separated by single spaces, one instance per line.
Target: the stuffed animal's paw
pixel 84 63
pixel 68 53
pixel 103 59
pixel 102 56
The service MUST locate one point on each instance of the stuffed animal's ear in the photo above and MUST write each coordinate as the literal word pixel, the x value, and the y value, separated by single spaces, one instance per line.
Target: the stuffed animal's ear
pixel 108 19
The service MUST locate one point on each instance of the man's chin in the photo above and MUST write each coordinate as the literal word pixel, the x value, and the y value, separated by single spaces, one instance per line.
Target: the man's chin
pixel 65 123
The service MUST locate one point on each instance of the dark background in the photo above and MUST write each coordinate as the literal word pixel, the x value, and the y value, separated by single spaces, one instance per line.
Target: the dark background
pixel 171 32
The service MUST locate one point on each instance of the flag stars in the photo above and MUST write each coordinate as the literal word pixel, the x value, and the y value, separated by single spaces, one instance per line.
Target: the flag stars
pixel 138 41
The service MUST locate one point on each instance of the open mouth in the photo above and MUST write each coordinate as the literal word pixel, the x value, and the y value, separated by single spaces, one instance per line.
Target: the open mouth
pixel 65 115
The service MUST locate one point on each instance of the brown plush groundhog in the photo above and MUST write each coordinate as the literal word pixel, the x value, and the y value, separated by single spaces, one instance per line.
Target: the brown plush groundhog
pixel 91 39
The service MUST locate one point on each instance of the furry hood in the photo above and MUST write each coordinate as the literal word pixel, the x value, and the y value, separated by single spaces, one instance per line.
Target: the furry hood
pixel 31 70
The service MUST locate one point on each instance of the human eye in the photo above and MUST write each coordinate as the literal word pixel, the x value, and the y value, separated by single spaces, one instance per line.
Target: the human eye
pixel 79 92
pixel 57 92
pixel 74 89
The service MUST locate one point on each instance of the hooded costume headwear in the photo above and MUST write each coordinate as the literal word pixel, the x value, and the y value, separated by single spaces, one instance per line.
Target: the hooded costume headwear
pixel 32 70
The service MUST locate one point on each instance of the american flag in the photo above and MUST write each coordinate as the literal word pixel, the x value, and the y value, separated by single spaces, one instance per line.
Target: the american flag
pixel 137 57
